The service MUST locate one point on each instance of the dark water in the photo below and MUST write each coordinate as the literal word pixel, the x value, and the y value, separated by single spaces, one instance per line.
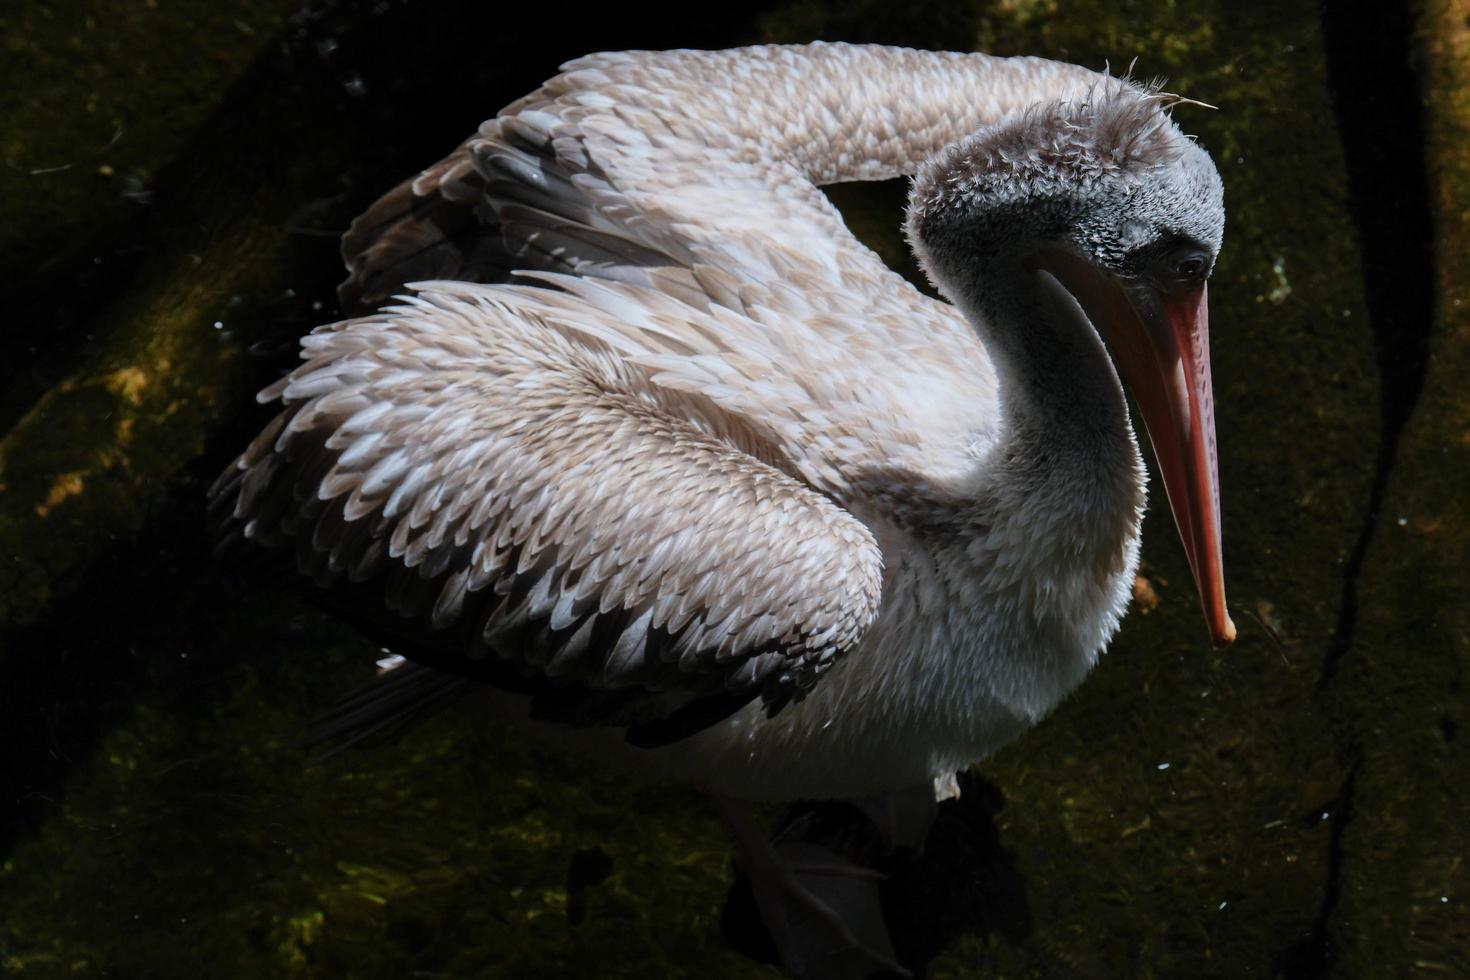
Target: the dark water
pixel 175 181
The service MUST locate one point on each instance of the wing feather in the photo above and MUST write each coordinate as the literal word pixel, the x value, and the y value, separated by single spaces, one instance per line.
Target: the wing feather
pixel 519 492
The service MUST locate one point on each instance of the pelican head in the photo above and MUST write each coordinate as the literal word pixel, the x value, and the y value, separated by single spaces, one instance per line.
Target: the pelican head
pixel 1100 198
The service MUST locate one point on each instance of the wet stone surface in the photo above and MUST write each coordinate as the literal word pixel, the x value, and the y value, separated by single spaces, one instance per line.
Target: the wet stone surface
pixel 1291 807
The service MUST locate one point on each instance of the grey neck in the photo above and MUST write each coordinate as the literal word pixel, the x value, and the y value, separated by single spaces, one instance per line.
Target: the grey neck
pixel 1065 416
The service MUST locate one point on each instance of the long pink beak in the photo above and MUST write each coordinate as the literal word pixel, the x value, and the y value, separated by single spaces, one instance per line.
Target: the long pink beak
pixel 1160 341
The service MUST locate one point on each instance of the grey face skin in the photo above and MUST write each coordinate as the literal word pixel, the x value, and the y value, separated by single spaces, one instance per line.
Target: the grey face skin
pixel 1163 225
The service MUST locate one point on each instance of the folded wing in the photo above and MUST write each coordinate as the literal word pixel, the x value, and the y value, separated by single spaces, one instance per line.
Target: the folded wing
pixel 519 494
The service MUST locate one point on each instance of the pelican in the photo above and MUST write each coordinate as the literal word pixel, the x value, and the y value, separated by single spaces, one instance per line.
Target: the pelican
pixel 646 441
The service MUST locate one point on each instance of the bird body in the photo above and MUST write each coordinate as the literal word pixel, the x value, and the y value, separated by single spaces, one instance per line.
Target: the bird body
pixel 658 440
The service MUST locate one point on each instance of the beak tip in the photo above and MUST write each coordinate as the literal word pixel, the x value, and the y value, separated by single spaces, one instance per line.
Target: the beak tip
pixel 1224 635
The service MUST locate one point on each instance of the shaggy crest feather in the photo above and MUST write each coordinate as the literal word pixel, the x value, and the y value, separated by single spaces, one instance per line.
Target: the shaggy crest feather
pixel 1115 128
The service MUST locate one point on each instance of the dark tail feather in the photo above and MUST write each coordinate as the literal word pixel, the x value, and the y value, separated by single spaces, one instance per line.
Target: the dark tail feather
pixel 428 227
pixel 401 695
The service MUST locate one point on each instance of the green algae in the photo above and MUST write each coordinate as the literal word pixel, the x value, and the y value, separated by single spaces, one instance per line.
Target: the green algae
pixel 196 838
pixel 1400 694
pixel 96 451
pixel 1173 818
pixel 96 97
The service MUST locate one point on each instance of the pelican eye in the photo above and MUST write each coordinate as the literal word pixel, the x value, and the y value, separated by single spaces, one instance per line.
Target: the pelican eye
pixel 1191 266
